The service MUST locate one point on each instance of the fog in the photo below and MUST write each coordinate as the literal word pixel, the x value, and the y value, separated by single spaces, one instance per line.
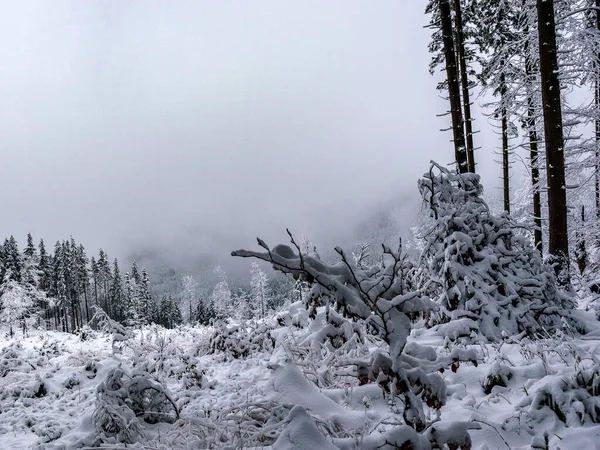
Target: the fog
pixel 185 129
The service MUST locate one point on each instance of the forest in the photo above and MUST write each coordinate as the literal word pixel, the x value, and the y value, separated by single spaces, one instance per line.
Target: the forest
pixel 478 330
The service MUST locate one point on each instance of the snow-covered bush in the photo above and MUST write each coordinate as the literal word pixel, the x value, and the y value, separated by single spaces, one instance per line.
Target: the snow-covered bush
pixel 381 298
pixel 122 399
pixel 11 359
pixel 480 270
pixel 119 333
pixel 498 375
pixel 574 400
pixel 240 341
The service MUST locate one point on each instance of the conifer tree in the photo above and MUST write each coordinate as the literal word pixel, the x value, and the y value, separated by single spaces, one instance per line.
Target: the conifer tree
pixel 146 302
pixel 30 274
pixel 59 289
pixel 105 278
pixel 44 267
pixel 95 278
pixel 72 279
pixel 169 313
pixel 132 308
pixel 30 251
pixel 13 261
pixel 84 278
pixel 135 273
pixel 116 294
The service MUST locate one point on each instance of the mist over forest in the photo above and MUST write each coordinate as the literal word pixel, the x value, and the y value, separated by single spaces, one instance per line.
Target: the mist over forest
pixel 300 225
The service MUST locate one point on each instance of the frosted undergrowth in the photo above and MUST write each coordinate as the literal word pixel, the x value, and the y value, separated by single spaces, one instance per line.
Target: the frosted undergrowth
pixel 294 394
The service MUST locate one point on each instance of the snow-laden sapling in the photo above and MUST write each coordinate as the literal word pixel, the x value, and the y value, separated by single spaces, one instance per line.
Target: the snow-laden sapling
pixel 498 375
pixel 486 276
pixel 574 400
pixel 122 399
pixel 119 333
pixel 380 298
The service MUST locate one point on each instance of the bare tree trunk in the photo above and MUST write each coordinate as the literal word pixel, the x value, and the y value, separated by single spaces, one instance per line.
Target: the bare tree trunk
pixel 535 175
pixel 106 299
pixel 95 291
pixel 87 308
pixel 553 131
pixel 580 247
pixel 597 151
pixel 73 314
pixel 464 81
pixel 597 121
pixel 530 71
pixel 453 88
pixel 505 162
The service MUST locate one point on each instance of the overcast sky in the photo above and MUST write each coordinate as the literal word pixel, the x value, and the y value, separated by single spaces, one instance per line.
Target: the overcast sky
pixel 197 125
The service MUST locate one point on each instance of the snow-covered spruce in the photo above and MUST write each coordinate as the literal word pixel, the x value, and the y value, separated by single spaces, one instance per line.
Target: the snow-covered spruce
pixel 487 278
pixel 380 298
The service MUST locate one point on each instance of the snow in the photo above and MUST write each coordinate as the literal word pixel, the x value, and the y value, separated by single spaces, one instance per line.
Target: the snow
pixel 291 397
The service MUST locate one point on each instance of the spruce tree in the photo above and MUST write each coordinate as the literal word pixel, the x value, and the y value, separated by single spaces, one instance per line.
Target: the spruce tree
pixel 30 251
pixel 95 278
pixel 116 294
pixel 84 278
pixel 59 289
pixel 44 267
pixel 146 303
pixel 30 270
pixel 135 273
pixel 13 261
pixel 105 277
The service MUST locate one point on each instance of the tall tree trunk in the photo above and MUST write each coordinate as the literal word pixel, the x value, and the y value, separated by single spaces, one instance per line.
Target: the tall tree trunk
pixel 505 162
pixel 530 72
pixel 553 130
pixel 87 309
pixel 464 81
pixel 95 291
pixel 597 121
pixel 106 299
pixel 580 247
pixel 597 151
pixel 73 314
pixel 460 151
pixel 535 174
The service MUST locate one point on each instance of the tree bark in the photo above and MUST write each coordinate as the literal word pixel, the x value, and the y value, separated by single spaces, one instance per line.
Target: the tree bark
pixel 597 121
pixel 530 71
pixel 464 81
pixel 597 151
pixel 87 309
pixel 460 152
pixel 553 129
pixel 580 247
pixel 505 162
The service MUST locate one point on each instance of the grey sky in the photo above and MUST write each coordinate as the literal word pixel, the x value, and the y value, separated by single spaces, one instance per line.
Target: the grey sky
pixel 198 125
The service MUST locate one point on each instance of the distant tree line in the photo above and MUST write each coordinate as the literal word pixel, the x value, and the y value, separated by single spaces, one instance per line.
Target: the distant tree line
pixel 62 288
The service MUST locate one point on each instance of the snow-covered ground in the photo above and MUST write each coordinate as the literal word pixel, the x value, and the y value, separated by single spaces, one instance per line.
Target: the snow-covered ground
pixel 279 392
